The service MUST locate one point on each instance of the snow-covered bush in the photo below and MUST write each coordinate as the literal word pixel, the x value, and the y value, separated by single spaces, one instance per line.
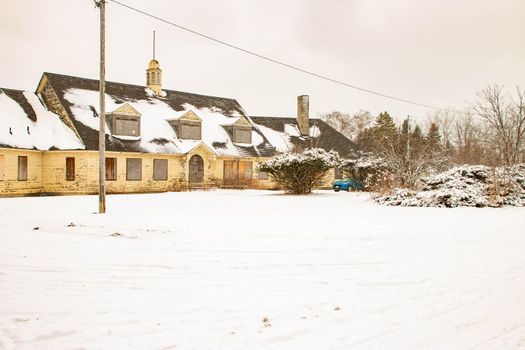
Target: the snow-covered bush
pixel 300 173
pixel 470 186
pixel 371 171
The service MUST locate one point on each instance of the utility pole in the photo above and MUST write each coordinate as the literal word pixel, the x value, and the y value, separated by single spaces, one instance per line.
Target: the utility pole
pixel 101 4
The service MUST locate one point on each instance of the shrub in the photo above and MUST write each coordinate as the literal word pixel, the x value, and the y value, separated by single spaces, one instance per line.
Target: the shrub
pixel 300 173
pixel 469 186
pixel 370 171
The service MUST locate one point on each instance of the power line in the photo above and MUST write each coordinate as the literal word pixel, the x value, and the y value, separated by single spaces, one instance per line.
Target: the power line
pixel 252 53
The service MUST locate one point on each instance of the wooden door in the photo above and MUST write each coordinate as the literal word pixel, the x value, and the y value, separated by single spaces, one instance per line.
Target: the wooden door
pixel 196 169
pixel 231 172
pixel 245 171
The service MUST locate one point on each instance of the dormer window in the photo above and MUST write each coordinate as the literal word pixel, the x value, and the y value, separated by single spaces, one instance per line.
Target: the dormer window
pixel 124 121
pixel 126 127
pixel 190 130
pixel 242 134
pixel 188 126
pixel 240 131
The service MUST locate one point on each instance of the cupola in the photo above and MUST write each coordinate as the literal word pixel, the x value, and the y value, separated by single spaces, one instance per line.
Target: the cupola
pixel 154 74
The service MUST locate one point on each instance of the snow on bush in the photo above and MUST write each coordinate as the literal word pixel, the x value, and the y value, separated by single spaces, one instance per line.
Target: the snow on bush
pixel 370 171
pixel 299 173
pixel 465 186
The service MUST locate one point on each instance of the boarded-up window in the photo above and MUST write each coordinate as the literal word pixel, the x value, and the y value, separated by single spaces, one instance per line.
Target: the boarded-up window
pixel 242 135
pixel 160 169
pixel 231 171
pixel 1 167
pixel 111 169
pixel 70 169
pixel 22 168
pixel 245 170
pixel 237 171
pixel 133 169
pixel 126 127
pixel 263 175
pixel 190 130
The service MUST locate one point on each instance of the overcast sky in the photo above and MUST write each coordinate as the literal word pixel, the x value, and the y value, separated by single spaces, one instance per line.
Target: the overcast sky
pixel 437 52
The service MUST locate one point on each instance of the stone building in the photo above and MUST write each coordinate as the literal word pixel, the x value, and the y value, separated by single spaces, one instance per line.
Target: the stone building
pixel 156 139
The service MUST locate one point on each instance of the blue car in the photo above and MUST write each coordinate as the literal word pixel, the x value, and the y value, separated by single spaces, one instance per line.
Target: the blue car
pixel 346 184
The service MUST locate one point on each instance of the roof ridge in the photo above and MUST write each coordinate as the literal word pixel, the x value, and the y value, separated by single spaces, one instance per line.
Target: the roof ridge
pixel 15 90
pixel 140 86
pixel 281 117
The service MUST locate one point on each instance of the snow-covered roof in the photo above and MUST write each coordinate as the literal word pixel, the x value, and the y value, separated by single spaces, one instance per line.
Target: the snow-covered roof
pixel 25 123
pixel 80 99
pixel 284 134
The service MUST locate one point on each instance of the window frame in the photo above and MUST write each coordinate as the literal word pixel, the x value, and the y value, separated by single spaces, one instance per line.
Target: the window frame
pixel 238 133
pixel 265 176
pixel 23 164
pixel 183 127
pixel 129 164
pixel 114 118
pixel 70 172
pixel 114 172
pixel 156 176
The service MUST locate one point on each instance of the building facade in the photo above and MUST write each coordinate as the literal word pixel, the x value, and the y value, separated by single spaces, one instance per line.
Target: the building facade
pixel 156 140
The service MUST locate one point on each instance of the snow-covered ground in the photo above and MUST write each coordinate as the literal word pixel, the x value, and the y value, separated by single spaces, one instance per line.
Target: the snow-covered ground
pixel 258 270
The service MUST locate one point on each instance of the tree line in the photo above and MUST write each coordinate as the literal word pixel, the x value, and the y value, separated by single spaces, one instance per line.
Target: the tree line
pixel 490 132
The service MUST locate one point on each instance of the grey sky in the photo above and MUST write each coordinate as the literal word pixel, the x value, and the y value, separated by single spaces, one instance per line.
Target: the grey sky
pixel 437 52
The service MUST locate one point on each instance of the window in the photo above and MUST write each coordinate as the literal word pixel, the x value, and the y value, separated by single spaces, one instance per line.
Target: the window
pixel 1 167
pixel 231 171
pixel 263 175
pixel 242 134
pixel 22 168
pixel 160 169
pixel 237 171
pixel 70 169
pixel 111 169
pixel 133 169
pixel 245 170
pixel 126 127
pixel 190 130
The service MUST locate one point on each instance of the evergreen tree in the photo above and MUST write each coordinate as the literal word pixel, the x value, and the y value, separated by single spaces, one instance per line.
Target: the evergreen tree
pixel 385 131
pixel 417 138
pixel 433 138
pixel 385 124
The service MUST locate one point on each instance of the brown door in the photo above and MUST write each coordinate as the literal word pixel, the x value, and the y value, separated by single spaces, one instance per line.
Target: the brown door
pixel 245 171
pixel 231 172
pixel 196 169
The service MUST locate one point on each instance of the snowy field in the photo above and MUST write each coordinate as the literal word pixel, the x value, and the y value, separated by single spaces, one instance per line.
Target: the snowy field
pixel 258 270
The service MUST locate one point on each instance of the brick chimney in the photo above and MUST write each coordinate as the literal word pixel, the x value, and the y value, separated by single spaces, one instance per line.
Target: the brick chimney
pixel 303 119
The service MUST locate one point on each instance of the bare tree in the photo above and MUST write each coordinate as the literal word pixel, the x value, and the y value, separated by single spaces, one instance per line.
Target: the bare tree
pixel 445 120
pixel 466 140
pixel 506 117
pixel 339 121
pixel 348 125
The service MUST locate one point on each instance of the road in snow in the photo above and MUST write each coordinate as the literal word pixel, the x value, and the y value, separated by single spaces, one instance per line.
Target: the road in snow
pixel 201 270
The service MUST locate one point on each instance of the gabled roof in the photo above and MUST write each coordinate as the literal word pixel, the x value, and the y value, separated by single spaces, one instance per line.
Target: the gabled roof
pixel 25 123
pixel 79 97
pixel 126 109
pixel 284 134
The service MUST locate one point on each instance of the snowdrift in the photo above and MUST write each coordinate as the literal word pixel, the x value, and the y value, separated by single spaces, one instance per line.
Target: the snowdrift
pixel 465 186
